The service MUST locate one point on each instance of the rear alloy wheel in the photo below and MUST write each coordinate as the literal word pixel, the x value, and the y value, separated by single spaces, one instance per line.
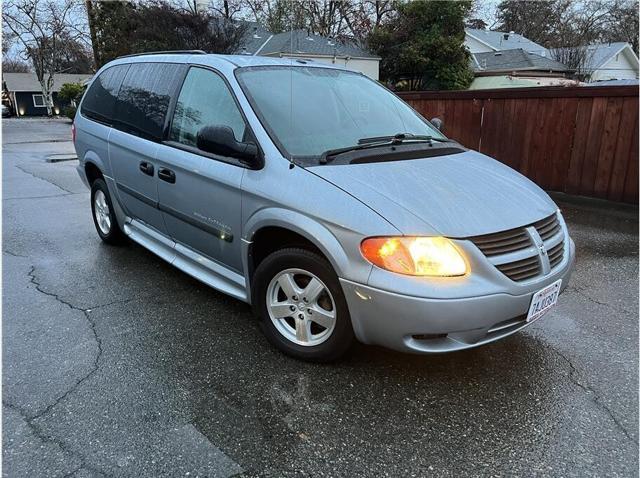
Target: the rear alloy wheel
pixel 104 216
pixel 301 305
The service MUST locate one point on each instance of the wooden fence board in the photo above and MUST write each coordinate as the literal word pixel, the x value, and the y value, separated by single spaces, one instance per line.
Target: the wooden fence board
pixel 631 181
pixel 579 140
pixel 581 132
pixel 628 123
pixel 608 146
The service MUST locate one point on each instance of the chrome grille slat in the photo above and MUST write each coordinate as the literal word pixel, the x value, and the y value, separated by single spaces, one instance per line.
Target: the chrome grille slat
pixel 500 247
pixel 500 236
pixel 556 254
pixel 546 221
pixel 502 242
pixel 523 263
pixel 549 230
pixel 496 251
pixel 523 276
pixel 516 274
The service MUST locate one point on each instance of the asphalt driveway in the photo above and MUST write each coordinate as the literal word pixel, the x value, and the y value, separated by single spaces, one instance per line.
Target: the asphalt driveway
pixel 116 364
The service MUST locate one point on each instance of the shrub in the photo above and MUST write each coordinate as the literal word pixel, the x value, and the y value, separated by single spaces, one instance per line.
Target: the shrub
pixel 69 112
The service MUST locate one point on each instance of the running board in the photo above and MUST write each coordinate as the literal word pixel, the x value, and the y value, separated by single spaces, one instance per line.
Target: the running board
pixel 188 261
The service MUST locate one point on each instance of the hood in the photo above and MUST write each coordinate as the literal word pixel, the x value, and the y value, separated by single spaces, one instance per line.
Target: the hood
pixel 459 195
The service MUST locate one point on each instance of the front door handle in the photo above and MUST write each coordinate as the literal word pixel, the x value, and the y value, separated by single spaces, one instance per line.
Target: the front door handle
pixel 167 175
pixel 146 168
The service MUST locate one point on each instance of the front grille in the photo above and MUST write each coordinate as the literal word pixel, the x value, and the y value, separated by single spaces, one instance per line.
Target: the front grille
pixel 513 252
pixel 502 242
pixel 548 227
pixel 521 270
pixel 556 254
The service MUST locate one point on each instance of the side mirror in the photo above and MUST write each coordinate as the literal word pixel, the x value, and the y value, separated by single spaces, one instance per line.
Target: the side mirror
pixel 219 139
pixel 438 123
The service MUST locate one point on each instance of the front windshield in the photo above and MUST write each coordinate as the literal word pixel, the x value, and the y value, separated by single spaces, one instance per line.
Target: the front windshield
pixel 311 110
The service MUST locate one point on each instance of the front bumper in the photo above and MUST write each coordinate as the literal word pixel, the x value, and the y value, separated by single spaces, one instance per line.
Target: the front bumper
pixel 424 325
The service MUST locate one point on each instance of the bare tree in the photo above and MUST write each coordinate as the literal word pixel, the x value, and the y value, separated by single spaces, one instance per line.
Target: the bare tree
pixel 229 9
pixel 364 17
pixel 14 65
pixel 278 16
pixel 577 58
pixel 39 26
pixel 622 22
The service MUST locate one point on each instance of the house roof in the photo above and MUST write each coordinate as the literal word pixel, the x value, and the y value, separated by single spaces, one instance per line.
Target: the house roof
pixel 29 81
pixel 599 54
pixel 254 39
pixel 259 41
pixel 504 40
pixel 513 60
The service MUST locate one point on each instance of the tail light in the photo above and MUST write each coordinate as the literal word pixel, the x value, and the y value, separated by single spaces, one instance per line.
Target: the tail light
pixel 73 133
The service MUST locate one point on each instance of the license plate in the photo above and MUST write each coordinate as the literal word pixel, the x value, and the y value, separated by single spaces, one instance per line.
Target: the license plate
pixel 543 300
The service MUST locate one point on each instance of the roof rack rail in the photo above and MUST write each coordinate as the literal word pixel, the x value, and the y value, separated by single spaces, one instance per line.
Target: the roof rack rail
pixel 167 52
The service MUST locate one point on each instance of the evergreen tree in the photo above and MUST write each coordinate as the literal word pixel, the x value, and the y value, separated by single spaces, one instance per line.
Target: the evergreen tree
pixel 422 47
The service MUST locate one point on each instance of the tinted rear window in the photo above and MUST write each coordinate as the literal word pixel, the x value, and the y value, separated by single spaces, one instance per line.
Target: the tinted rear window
pixel 144 98
pixel 100 99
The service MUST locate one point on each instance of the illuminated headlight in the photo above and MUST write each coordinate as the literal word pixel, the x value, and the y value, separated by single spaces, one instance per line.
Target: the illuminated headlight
pixel 416 256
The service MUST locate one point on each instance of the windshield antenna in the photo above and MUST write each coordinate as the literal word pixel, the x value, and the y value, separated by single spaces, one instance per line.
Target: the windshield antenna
pixel 291 163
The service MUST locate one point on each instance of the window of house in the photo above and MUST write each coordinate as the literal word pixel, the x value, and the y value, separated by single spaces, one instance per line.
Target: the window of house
pixel 205 100
pixel 38 101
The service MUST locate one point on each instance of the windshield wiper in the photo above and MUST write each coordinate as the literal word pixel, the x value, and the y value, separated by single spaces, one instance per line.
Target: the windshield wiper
pixel 402 137
pixel 378 141
pixel 332 153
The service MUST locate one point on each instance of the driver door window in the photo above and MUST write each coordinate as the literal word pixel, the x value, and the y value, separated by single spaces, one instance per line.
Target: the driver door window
pixel 205 100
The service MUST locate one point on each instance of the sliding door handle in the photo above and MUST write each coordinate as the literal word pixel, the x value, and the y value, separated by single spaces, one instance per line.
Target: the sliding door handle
pixel 146 168
pixel 167 175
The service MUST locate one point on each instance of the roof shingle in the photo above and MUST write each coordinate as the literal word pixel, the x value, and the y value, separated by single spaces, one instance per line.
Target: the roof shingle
pixel 506 41
pixel 29 81
pixel 512 60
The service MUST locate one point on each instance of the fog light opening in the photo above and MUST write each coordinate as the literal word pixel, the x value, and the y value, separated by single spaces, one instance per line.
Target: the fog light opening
pixel 429 336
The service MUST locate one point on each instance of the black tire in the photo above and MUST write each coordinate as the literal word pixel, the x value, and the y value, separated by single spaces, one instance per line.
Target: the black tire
pixel 114 236
pixel 339 340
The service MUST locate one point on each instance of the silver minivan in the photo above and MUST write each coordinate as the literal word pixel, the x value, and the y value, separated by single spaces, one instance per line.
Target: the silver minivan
pixel 320 198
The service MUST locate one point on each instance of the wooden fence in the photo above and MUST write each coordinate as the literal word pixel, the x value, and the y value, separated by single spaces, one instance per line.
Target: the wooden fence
pixel 579 140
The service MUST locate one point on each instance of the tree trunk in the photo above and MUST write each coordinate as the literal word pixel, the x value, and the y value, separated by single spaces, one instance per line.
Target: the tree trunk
pixel 91 17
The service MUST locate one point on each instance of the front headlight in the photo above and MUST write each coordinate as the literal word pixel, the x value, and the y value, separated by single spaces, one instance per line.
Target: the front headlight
pixel 416 256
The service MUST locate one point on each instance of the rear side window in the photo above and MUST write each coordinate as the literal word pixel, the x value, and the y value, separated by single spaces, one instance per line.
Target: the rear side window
pixel 205 100
pixel 100 99
pixel 144 98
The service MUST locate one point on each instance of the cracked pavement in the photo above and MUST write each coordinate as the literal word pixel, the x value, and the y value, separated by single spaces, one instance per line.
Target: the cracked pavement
pixel 116 364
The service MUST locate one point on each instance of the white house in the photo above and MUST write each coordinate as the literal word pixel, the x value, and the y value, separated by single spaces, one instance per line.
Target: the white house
pixel 302 44
pixel 608 61
pixel 611 61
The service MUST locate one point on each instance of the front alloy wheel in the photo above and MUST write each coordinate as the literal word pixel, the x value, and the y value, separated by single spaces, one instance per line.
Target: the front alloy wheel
pixel 302 308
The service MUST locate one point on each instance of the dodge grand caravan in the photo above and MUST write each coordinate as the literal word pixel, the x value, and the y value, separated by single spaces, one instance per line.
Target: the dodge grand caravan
pixel 320 198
